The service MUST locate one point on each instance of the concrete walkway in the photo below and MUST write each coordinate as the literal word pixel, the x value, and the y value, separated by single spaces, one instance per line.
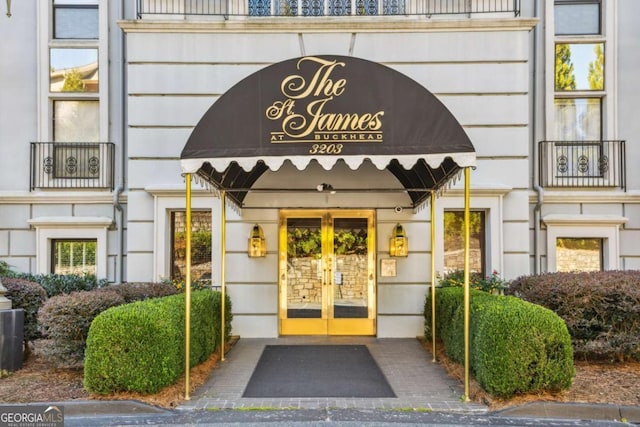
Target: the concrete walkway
pixel 417 382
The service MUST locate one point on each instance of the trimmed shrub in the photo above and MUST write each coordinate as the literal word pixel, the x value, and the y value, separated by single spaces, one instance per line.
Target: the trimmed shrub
pixel 134 291
pixel 601 309
pixel 28 296
pixel 515 346
pixel 56 284
pixel 492 283
pixel 64 321
pixel 450 318
pixel 520 347
pixel 140 346
pixel 134 347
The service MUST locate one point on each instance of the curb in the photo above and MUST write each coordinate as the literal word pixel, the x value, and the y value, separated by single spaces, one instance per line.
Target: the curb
pixel 581 411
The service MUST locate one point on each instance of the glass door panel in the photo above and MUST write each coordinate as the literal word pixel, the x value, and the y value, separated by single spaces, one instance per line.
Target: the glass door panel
pixel 327 267
pixel 351 270
pixel 304 268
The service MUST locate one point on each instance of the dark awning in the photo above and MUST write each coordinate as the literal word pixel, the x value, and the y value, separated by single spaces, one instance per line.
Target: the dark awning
pixel 325 109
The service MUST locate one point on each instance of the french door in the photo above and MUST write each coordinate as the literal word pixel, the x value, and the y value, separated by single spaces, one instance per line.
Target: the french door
pixel 327 272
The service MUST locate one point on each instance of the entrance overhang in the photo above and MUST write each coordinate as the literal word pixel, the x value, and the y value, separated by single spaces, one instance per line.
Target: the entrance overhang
pixel 324 109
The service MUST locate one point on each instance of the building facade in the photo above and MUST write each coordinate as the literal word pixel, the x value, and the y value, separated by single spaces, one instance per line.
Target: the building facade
pixel 97 119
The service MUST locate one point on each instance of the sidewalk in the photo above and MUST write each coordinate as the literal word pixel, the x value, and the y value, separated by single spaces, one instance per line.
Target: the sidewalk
pixel 415 379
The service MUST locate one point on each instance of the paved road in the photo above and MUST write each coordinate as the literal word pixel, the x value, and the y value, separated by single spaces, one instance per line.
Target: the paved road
pixel 322 418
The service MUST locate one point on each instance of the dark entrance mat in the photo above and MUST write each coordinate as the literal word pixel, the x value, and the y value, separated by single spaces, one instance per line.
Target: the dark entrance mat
pixel 317 371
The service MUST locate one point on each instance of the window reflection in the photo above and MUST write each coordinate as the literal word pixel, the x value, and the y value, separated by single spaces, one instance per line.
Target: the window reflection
pixel 578 254
pixel 76 121
pixel 454 228
pixel 578 119
pixel 73 70
pixel 579 66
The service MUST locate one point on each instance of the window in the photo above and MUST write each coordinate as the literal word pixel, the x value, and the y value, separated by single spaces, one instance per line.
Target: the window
pixel 76 121
pixel 73 71
pixel 454 241
pixel 73 98
pixel 578 254
pixel 578 109
pixel 579 66
pixel 594 240
pixel 66 244
pixel 579 71
pixel 75 19
pixel 577 17
pixel 73 256
pixel 578 119
pixel 200 245
pixel 579 86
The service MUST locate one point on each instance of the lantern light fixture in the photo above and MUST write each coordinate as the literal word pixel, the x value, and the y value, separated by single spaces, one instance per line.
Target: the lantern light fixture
pixel 257 243
pixel 8 8
pixel 398 243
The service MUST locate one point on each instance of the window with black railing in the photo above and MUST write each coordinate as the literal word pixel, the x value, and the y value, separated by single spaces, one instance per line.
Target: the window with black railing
pixel 77 165
pixel 582 164
pixel 311 8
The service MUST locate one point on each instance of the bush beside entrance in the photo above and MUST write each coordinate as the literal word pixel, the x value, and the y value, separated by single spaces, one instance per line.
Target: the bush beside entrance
pixel 515 346
pixel 140 346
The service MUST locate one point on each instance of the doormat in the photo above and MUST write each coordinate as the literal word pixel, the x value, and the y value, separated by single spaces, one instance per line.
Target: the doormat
pixel 317 371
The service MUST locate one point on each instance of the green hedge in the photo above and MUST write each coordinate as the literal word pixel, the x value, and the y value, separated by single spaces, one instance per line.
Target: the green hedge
pixel 57 284
pixel 515 346
pixel 140 346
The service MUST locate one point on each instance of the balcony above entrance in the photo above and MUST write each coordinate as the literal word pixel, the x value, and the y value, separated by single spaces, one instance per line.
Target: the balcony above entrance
pixel 168 9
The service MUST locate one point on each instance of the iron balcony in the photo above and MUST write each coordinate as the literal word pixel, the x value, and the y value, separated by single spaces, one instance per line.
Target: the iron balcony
pixel 164 9
pixel 72 165
pixel 582 164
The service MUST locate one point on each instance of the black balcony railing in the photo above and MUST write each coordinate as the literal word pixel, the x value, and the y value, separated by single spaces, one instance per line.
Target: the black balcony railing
pixel 264 8
pixel 582 164
pixel 72 165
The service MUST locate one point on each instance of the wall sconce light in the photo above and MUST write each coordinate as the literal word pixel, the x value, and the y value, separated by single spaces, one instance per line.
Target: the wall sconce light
pixel 257 243
pixel 8 8
pixel 399 243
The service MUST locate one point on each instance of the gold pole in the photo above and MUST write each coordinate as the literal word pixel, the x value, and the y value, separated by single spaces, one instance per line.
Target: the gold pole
pixel 187 291
pixel 223 237
pixel 433 275
pixel 466 283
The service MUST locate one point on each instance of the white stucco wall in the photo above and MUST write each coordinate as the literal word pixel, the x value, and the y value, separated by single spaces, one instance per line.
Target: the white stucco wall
pixel 481 76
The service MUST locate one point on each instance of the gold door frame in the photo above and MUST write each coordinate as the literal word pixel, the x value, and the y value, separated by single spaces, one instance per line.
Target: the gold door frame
pixel 327 324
